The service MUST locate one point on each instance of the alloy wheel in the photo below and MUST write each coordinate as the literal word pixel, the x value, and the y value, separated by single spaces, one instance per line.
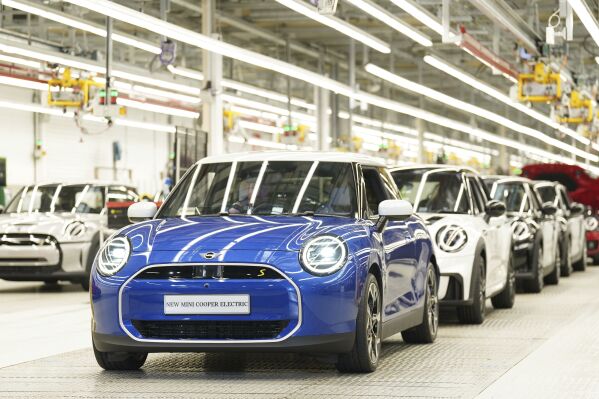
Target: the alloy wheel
pixel 373 322
pixel 433 302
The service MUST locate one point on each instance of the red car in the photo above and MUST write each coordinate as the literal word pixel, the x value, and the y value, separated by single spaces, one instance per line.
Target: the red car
pixel 582 188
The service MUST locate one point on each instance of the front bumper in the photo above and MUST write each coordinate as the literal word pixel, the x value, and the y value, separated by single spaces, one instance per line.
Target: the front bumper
pixel 456 275
pixel 321 311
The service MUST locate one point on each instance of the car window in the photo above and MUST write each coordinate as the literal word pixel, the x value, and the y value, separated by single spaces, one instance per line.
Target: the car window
pixel 433 191
pixel 265 188
pixel 513 195
pixel 477 194
pixel 33 199
pixel 547 194
pixel 121 194
pixel 376 192
pixel 564 198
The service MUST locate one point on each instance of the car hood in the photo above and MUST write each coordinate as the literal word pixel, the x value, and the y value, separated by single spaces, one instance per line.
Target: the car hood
pixel 215 234
pixel 58 225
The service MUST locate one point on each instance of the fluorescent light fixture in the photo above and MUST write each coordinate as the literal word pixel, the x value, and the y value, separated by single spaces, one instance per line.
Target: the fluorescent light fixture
pixel 475 110
pixel 53 15
pixel 59 112
pixel 157 108
pixel 65 60
pixel 130 16
pixel 255 113
pixel 420 14
pixel 24 83
pixel 188 73
pixel 260 127
pixel 244 102
pixel 498 95
pixel 391 20
pixel 337 24
pixel 262 143
pixel 149 91
pixel 586 17
pixel 20 61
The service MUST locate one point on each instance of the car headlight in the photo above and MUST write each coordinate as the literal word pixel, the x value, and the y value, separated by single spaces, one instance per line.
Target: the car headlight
pixel 520 231
pixel 113 256
pixel 451 238
pixel 591 223
pixel 323 255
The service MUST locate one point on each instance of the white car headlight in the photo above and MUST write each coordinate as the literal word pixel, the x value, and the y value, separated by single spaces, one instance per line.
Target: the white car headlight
pixel 323 255
pixel 451 238
pixel 113 256
pixel 520 231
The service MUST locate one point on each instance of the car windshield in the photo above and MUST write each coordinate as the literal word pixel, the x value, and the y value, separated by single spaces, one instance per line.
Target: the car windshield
pixel 82 198
pixel 433 191
pixel 513 195
pixel 264 188
pixel 547 193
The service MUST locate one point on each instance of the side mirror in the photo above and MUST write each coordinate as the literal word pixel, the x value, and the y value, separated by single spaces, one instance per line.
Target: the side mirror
pixel 495 208
pixel 549 209
pixel 141 211
pixel 393 209
pixel 396 209
pixel 576 209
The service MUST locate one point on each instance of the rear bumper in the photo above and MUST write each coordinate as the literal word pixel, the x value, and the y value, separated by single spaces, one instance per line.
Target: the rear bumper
pixel 333 343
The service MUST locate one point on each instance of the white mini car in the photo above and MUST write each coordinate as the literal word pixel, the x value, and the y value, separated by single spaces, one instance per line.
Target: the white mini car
pixel 471 233
pixel 52 232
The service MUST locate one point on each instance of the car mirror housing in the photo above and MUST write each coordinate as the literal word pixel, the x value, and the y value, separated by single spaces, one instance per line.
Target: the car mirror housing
pixel 141 211
pixel 495 208
pixel 549 209
pixel 395 209
pixel 576 209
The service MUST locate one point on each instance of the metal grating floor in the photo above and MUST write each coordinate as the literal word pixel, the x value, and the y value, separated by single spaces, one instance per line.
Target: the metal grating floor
pixel 545 347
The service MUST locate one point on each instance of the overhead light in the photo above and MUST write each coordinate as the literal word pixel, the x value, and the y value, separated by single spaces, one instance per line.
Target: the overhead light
pixel 586 17
pixel 188 73
pixel 157 108
pixel 260 127
pixel 130 16
pixel 420 14
pixel 498 95
pixel 156 93
pixel 53 15
pixel 263 143
pixel 337 24
pixel 24 83
pixel 59 112
pixel 20 61
pixel 391 20
pixel 475 110
pixel 267 108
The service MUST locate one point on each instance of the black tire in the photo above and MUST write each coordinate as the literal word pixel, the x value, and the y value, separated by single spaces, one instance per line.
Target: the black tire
pixel 426 332
pixel 506 298
pixel 596 261
pixel 536 284
pixel 120 360
pixel 91 255
pixel 553 277
pixel 364 356
pixel 566 268
pixel 581 265
pixel 475 312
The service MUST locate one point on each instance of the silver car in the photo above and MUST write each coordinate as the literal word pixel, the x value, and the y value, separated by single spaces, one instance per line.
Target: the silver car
pixel 52 232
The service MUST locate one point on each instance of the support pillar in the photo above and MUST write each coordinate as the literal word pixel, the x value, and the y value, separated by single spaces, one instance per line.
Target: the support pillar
pixel 323 125
pixel 501 162
pixel 212 103
pixel 420 128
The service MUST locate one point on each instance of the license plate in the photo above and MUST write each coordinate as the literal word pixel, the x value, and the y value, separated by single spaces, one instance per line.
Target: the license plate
pixel 207 304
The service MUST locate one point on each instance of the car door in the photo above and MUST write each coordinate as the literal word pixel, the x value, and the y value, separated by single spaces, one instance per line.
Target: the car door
pixel 403 288
pixel 548 227
pixel 496 274
pixel 575 225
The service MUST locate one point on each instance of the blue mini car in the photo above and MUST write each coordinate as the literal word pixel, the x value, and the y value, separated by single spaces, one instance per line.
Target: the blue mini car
pixel 283 251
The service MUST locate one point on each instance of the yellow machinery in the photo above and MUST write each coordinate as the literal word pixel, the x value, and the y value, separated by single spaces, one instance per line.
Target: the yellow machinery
pixel 577 109
pixel 72 92
pixel 542 85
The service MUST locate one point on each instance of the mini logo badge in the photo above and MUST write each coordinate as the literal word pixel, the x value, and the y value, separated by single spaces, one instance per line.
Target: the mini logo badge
pixel 210 255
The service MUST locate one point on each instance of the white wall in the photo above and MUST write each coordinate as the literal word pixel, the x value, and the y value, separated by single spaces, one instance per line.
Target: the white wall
pixel 73 156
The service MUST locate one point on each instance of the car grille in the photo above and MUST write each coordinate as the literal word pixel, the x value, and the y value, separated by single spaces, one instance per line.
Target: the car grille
pixel 207 272
pixel 210 329
pixel 7 271
pixel 40 240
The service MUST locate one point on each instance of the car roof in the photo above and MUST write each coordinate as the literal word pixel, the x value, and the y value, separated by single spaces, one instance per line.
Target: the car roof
pixel 323 156
pixel 507 179
pixel 451 168
pixel 82 183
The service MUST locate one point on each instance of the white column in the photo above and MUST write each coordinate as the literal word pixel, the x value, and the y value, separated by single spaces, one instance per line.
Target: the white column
pixel 212 104
pixel 420 126
pixel 323 122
